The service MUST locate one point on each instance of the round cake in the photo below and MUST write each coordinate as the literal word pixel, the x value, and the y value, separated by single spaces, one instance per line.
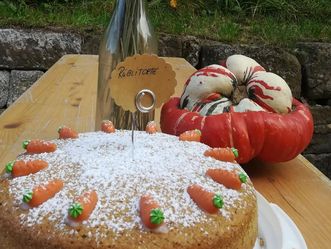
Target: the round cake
pixel 159 166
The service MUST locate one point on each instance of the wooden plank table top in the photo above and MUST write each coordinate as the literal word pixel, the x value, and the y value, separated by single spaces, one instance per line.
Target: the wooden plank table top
pixel 66 95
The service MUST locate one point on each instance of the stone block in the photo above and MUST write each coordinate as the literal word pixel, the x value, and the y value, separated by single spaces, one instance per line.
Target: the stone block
pixel 170 45
pixel 91 42
pixel 321 114
pixel 215 52
pixel 322 129
pixel 35 49
pixel 20 81
pixel 315 58
pixel 322 162
pixel 320 143
pixel 191 50
pixel 4 88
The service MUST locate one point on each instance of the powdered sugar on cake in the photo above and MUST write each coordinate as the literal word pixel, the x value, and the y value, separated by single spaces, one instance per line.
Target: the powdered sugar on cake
pixel 163 167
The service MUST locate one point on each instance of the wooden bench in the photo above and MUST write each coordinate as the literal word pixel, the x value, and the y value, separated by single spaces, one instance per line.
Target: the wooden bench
pixel 66 95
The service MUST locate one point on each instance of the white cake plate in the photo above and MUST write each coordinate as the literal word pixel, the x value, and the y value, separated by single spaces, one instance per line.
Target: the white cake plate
pixel 276 229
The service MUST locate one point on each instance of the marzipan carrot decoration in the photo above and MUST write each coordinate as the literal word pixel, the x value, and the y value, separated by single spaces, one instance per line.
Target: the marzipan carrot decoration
pixel 66 132
pixel 270 137
pixel 229 179
pixel 207 201
pixel 150 212
pixel 37 146
pixel 192 135
pixel 83 207
pixel 222 154
pixel 107 126
pixel 22 168
pixel 151 127
pixel 42 193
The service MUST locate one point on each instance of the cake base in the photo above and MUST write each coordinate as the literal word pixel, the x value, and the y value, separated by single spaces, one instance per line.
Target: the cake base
pixel 241 234
pixel 163 166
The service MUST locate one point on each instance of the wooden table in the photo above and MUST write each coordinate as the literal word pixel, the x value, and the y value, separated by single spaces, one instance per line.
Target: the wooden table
pixel 66 95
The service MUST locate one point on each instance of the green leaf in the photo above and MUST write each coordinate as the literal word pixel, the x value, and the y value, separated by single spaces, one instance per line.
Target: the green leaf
pixel 157 216
pixel 27 196
pixel 218 201
pixel 9 166
pixel 75 210
pixel 197 131
pixel 243 177
pixel 235 152
pixel 25 144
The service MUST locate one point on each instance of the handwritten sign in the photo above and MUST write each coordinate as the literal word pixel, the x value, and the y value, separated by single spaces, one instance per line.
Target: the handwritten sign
pixel 142 72
pixel 127 72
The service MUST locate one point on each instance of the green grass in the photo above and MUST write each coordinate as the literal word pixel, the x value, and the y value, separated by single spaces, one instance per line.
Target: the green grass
pixel 270 21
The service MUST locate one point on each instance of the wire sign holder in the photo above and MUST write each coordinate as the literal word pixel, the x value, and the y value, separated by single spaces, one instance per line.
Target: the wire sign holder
pixel 140 107
pixel 140 84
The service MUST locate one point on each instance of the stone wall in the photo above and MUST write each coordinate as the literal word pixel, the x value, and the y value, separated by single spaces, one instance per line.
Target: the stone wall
pixel 26 54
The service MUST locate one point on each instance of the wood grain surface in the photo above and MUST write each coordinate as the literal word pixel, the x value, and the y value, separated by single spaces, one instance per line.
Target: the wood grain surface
pixel 66 95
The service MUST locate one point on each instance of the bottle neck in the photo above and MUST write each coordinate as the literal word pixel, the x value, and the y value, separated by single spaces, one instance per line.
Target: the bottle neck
pixel 136 4
pixel 129 31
